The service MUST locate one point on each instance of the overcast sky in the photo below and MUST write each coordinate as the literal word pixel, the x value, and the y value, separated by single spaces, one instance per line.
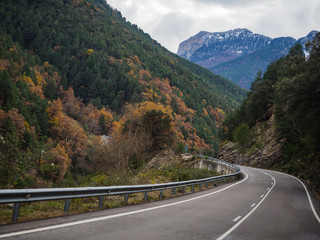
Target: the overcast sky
pixel 173 21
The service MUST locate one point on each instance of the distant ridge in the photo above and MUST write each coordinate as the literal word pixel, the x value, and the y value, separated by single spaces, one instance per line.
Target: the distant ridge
pixel 237 54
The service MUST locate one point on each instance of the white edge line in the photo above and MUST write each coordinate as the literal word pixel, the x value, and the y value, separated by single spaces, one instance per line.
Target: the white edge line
pixel 114 216
pixel 309 198
pixel 245 217
pixel 307 193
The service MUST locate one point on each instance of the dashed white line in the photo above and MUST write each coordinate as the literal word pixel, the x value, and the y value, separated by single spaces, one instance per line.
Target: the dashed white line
pixel 246 216
pixel 236 219
pixel 268 189
pixel 262 196
pixel 253 205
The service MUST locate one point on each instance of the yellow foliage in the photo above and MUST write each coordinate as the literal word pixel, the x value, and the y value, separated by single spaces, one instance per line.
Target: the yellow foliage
pixel 39 80
pixel 26 124
pixel 148 106
pixel 168 99
pixel 108 116
pixel 46 64
pixel 204 102
pixel 90 51
pixel 28 80
pixel 54 121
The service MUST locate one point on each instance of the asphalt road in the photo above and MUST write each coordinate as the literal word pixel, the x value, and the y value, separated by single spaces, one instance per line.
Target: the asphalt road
pixel 263 205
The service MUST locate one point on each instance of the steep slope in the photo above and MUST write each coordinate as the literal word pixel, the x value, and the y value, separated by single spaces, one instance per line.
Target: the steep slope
pixel 237 54
pixel 104 58
pixel 277 124
pixel 75 74
pixel 244 69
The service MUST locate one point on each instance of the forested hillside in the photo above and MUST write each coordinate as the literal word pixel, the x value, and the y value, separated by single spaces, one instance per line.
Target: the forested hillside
pixel 84 91
pixel 290 90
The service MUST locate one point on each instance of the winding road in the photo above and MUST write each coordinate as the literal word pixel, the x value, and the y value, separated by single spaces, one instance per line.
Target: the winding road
pixel 263 205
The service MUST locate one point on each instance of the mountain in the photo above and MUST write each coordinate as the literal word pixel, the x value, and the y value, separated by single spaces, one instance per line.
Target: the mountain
pixel 74 70
pixel 237 54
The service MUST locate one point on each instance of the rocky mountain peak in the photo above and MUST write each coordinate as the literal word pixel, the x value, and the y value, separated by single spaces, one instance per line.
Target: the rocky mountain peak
pixel 237 54
pixel 209 49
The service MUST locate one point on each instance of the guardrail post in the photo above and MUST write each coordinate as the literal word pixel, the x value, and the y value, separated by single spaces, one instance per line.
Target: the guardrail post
pixel 101 201
pixel 66 206
pixel 145 196
pixel 173 191
pixel 207 184
pixel 200 186
pixel 15 213
pixel 192 188
pixel 126 198
pixel 183 190
pixel 161 194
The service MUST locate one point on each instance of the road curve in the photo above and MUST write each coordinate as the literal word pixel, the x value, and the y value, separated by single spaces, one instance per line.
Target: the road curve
pixel 263 205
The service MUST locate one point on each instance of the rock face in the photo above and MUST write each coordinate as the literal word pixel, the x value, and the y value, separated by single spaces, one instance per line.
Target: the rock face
pixel 237 54
pixel 168 157
pixel 210 49
pixel 265 150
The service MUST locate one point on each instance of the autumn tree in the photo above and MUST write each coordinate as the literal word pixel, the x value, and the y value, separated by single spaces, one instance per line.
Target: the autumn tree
pixel 66 132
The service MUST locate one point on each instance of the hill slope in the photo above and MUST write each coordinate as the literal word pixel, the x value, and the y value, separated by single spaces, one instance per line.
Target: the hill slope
pixel 277 124
pixel 74 70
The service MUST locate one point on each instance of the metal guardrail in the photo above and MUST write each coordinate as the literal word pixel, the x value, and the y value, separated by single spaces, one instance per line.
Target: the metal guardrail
pixel 18 196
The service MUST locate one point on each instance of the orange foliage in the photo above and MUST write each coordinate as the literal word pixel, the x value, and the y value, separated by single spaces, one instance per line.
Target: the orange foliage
pixel 218 113
pixel 62 159
pixel 136 60
pixel 72 105
pixel 37 90
pixel 144 76
pixel 204 112
pixel 4 64
pixel 142 108
pixel 66 132
pixel 182 108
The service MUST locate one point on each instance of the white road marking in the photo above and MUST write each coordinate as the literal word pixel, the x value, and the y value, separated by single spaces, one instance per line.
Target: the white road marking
pixel 245 217
pixel 253 205
pixel 236 219
pixel 262 196
pixel 309 198
pixel 115 215
pixel 268 189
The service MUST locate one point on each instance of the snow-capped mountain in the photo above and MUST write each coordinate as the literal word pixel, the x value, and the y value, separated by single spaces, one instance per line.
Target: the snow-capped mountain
pixel 237 54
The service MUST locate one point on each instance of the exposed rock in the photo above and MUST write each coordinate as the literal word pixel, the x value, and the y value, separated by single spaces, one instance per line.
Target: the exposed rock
pixel 164 158
pixel 265 150
pixel 237 54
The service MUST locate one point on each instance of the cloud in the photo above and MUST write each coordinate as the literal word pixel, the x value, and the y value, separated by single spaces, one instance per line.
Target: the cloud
pixel 173 21
pixel 228 3
pixel 171 28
